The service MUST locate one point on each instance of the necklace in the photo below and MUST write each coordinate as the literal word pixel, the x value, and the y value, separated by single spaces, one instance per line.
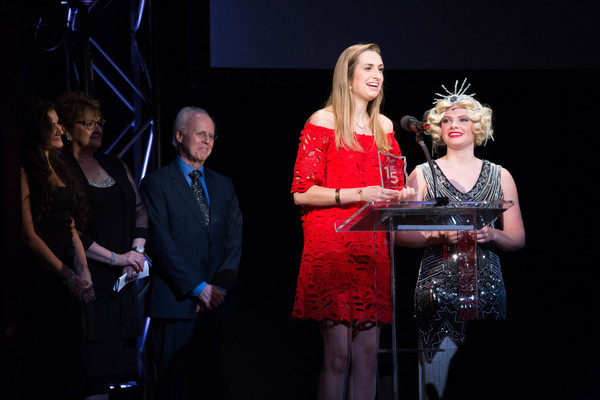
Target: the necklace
pixel 108 182
pixel 357 124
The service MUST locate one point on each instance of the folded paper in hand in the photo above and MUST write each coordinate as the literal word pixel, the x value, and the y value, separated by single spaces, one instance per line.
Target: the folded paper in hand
pixel 122 281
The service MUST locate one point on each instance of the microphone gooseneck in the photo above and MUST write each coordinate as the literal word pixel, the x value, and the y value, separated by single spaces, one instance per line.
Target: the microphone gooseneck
pixel 411 124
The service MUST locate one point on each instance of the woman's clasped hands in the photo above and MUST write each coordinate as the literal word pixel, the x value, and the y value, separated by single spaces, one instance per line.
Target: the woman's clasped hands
pixel 82 288
pixel 380 194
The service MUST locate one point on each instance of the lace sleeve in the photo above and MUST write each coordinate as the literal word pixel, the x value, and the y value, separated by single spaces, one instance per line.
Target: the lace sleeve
pixel 309 168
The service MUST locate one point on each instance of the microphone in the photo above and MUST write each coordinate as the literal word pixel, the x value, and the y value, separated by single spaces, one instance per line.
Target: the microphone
pixel 411 124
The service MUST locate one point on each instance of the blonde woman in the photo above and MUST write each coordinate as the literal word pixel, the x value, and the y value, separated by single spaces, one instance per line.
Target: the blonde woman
pixel 459 123
pixel 335 173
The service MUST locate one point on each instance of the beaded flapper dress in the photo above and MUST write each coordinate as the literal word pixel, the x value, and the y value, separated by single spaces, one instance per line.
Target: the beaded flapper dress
pixel 436 293
pixel 343 277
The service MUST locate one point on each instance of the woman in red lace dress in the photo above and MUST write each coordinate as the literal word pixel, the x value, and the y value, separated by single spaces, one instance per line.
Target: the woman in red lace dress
pixel 336 172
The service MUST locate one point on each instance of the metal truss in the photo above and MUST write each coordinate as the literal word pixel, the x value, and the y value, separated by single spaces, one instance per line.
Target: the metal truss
pixel 92 64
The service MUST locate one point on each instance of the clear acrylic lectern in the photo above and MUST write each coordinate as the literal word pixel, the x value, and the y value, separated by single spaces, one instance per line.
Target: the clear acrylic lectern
pixel 429 216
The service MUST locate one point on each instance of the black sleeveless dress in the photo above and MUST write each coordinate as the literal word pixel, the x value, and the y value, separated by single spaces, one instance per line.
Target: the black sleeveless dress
pixel 436 293
pixel 53 317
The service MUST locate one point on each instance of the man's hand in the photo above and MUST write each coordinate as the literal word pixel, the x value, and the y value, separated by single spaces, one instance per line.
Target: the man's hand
pixel 209 298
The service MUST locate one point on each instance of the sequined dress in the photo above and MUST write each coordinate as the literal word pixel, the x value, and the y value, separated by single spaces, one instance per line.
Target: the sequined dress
pixel 338 280
pixel 436 293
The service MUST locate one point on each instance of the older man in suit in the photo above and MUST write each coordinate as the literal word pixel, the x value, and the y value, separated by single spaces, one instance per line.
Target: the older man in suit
pixel 195 242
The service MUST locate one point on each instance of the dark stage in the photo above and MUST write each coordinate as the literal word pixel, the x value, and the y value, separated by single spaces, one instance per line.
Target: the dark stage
pixel 545 101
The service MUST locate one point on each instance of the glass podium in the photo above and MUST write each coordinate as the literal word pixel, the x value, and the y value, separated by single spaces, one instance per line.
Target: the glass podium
pixel 428 216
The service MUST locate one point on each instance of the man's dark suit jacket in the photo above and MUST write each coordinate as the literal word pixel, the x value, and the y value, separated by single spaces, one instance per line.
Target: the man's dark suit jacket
pixel 184 253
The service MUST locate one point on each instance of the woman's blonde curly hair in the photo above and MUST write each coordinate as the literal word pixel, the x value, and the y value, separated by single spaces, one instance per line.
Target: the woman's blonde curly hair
pixel 480 115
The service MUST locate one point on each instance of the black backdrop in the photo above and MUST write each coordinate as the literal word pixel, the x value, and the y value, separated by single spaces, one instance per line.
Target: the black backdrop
pixel 546 136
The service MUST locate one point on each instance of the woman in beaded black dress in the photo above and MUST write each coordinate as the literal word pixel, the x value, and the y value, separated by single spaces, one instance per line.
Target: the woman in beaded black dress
pixel 114 244
pixel 56 278
pixel 459 123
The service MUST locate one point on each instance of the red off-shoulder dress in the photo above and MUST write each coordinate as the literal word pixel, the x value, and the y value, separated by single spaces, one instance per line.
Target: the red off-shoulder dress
pixel 343 277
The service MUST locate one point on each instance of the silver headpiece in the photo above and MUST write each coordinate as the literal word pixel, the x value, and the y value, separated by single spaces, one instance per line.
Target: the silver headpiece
pixel 458 95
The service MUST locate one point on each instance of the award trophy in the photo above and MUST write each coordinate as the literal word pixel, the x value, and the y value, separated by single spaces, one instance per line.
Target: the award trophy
pixel 392 169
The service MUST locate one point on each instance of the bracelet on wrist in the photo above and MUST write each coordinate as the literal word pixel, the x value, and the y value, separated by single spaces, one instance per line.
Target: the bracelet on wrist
pixel 139 249
pixel 70 279
pixel 337 196
pixel 113 258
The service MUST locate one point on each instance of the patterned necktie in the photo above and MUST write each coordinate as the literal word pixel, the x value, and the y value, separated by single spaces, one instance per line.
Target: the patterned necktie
pixel 200 195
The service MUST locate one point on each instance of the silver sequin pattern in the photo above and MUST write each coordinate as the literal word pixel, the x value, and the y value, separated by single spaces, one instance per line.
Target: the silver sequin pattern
pixel 436 293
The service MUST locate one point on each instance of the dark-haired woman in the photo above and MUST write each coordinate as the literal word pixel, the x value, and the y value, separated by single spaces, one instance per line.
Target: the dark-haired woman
pixel 57 277
pixel 114 242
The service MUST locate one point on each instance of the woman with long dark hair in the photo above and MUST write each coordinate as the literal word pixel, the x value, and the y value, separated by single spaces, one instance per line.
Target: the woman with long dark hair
pixel 55 268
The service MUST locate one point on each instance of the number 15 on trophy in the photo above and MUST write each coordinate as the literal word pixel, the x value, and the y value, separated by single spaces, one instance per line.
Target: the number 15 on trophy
pixel 392 169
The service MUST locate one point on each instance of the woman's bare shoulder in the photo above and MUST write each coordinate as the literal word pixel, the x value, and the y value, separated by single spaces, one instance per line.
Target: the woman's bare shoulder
pixel 324 118
pixel 386 123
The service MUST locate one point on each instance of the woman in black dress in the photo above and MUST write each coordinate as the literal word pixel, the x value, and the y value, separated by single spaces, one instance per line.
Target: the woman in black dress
pixel 445 300
pixel 114 243
pixel 55 269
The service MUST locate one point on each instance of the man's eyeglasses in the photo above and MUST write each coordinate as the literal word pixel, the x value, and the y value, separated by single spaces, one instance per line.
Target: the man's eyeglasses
pixel 204 135
pixel 90 124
